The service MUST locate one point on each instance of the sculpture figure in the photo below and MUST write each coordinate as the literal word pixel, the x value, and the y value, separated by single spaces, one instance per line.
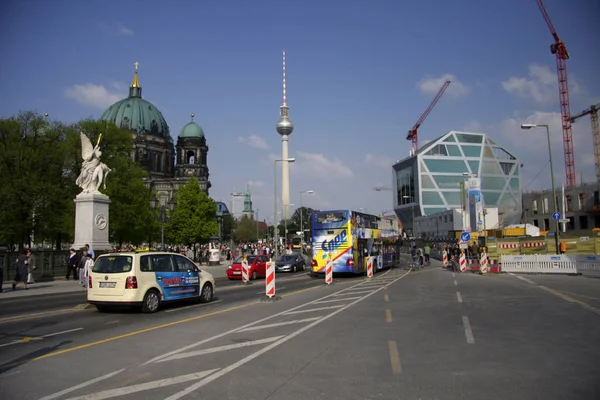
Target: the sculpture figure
pixel 93 172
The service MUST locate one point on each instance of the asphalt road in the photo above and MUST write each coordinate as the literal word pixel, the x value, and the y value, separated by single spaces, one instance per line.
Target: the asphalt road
pixel 426 335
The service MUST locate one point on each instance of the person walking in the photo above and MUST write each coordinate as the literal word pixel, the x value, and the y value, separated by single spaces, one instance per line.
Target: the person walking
pixel 88 265
pixel 21 270
pixel 81 266
pixel 30 266
pixel 72 263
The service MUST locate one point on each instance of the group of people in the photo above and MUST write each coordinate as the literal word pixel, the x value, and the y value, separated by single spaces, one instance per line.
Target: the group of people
pixel 80 266
pixel 24 267
pixel 420 256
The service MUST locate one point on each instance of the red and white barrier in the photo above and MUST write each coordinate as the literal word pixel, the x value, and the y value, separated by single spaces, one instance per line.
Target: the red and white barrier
pixel 329 271
pixel 534 244
pixel 463 262
pixel 484 263
pixel 509 245
pixel 270 280
pixel 445 258
pixel 370 267
pixel 245 278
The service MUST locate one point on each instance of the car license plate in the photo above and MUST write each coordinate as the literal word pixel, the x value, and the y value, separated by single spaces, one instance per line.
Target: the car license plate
pixel 237 272
pixel 108 284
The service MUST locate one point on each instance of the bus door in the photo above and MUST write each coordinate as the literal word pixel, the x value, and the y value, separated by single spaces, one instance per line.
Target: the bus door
pixel 361 255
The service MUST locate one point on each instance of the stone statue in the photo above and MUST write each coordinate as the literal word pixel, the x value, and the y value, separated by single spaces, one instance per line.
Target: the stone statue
pixel 93 172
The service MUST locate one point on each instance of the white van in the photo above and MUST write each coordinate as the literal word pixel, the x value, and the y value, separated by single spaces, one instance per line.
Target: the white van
pixel 146 279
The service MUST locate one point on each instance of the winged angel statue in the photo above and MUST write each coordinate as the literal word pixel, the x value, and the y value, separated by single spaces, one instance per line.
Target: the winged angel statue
pixel 93 172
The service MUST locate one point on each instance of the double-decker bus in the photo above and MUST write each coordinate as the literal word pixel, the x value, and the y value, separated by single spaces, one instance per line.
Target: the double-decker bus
pixel 349 238
pixel 296 242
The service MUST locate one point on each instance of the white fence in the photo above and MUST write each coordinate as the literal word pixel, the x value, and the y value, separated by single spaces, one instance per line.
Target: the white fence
pixel 550 264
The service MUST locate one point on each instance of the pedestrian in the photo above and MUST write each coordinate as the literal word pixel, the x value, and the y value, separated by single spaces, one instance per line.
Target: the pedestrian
pixel 30 266
pixel 88 265
pixel 1 274
pixel 81 266
pixel 72 263
pixel 90 251
pixel 21 270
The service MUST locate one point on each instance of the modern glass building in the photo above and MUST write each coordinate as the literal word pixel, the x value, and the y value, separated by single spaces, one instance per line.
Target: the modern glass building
pixel 434 179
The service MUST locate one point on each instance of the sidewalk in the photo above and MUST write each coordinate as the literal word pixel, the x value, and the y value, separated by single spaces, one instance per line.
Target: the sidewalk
pixel 41 288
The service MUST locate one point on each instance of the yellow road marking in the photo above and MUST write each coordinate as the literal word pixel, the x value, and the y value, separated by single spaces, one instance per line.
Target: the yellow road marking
pixel 388 316
pixel 386 297
pixel 572 300
pixel 582 295
pixel 395 358
pixel 27 339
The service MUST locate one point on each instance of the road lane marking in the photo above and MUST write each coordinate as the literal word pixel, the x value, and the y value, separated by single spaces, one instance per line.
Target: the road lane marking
pixel 468 331
pixel 571 299
pixel 28 339
pixel 268 348
pixel 459 297
pixel 453 275
pixel 581 295
pixel 455 283
pixel 194 306
pixel 312 309
pixel 386 297
pixel 296 321
pixel 123 391
pixel 82 385
pixel 60 333
pixel 343 292
pixel 336 300
pixel 524 279
pixel 219 349
pixel 395 358
pixel 388 316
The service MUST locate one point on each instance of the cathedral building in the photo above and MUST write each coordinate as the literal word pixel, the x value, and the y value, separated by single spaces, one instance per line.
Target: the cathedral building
pixel 169 165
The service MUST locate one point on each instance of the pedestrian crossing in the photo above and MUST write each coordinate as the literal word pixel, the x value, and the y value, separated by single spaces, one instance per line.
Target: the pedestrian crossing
pixel 229 350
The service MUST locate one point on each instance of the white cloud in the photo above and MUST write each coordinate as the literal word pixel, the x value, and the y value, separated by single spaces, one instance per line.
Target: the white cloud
pixel 432 85
pixel 92 95
pixel 317 166
pixel 254 141
pixel 541 85
pixel 472 126
pixel 379 161
pixel 124 31
pixel 256 184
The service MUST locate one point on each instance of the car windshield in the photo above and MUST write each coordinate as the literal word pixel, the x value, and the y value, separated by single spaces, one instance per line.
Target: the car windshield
pixel 287 258
pixel 113 264
pixel 239 260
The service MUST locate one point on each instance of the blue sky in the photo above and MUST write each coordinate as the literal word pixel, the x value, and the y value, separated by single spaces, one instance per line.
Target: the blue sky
pixel 360 73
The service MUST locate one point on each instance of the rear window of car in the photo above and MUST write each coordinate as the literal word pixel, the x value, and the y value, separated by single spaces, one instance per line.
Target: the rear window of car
pixel 113 264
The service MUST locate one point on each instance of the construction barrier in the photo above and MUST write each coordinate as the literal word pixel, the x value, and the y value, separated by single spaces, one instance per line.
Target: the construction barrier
pixel 370 267
pixel 329 271
pixel 539 264
pixel 445 258
pixel 587 263
pixel 463 263
pixel 270 280
pixel 484 262
pixel 245 278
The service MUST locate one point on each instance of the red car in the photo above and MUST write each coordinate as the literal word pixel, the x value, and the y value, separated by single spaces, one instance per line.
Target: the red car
pixel 257 267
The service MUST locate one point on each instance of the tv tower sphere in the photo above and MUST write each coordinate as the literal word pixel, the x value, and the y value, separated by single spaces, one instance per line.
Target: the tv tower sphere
pixel 284 126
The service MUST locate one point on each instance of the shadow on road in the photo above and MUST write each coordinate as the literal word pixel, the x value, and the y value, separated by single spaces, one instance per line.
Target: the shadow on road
pixel 4 368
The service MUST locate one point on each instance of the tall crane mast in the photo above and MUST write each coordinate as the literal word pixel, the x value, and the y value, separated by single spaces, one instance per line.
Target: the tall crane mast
pixel 592 111
pixel 559 49
pixel 413 134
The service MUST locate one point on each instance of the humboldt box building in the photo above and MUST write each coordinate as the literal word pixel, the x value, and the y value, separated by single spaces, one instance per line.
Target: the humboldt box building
pixel 435 179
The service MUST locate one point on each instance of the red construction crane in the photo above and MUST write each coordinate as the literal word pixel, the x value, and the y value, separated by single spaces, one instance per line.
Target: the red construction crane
pixel 562 55
pixel 413 134
pixel 593 113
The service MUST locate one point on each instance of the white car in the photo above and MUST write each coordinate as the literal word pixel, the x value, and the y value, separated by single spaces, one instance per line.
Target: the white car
pixel 146 279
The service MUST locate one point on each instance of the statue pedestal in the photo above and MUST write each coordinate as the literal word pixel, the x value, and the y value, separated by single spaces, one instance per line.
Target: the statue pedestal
pixel 91 221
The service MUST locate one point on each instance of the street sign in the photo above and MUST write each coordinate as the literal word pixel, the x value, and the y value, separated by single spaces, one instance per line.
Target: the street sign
pixel 465 237
pixel 480 222
pixel 564 220
pixel 556 215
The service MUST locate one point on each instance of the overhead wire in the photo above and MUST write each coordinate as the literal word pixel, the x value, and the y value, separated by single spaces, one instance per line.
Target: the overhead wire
pixel 538 174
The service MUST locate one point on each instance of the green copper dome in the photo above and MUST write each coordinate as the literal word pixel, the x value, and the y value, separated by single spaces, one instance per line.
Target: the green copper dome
pixel 136 114
pixel 191 130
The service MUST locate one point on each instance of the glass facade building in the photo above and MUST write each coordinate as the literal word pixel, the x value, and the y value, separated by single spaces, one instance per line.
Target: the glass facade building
pixel 433 179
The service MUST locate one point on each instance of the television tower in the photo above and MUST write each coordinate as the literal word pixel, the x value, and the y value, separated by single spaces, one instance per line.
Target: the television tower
pixel 285 128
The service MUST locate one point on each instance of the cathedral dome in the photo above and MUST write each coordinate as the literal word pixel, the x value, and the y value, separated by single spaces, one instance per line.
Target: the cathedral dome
pixel 136 114
pixel 191 130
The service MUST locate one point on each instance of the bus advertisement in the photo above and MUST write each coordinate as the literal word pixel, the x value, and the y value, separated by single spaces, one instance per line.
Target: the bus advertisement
pixel 349 238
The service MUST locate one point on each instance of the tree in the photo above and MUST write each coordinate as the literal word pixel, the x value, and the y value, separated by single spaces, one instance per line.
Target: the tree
pixel 306 218
pixel 194 219
pixel 245 230
pixel 227 227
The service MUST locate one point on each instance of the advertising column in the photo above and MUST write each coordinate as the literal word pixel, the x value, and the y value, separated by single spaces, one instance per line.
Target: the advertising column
pixel 474 204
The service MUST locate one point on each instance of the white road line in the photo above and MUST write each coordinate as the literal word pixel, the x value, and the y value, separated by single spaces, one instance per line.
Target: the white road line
pixel 262 351
pixel 82 385
pixel 524 279
pixel 370 286
pixel 459 297
pixel 313 309
pixel 296 321
pixel 455 283
pixel 221 348
pixel 203 341
pixel 109 394
pixel 276 288
pixel 60 333
pixel 453 275
pixel 351 293
pixel 468 331
pixel 339 299
pixel 193 306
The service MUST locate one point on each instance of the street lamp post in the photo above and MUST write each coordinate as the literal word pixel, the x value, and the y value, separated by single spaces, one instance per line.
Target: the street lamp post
pixel 276 235
pixel 556 229
pixel 301 214
pixel 154 205
pixel 413 213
